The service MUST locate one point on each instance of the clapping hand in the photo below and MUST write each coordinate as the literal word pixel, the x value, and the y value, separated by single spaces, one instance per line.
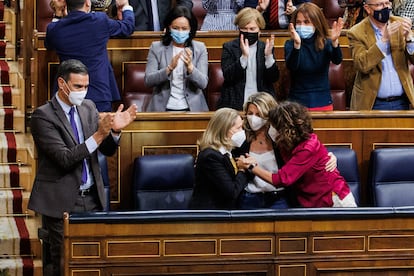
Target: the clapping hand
pixel 122 119
pixel 244 46
pixel 270 43
pixel 262 5
pixel 406 25
pixel 294 36
pixel 336 31
pixel 187 58
pixel 290 8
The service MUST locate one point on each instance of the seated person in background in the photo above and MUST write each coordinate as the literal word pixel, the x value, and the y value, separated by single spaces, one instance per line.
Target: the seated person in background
pixel 308 54
pixel 259 144
pixel 403 8
pixel 381 47
pixel 59 9
pixel 221 13
pixel 305 161
pixel 150 14
pixel 275 12
pixel 247 63
pixel 177 66
pixel 218 182
pixel 354 12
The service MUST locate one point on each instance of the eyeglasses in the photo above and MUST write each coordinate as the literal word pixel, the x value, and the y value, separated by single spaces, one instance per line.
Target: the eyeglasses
pixel 380 5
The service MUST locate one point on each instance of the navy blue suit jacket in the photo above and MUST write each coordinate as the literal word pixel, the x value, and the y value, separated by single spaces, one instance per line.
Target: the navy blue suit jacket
pixel 84 36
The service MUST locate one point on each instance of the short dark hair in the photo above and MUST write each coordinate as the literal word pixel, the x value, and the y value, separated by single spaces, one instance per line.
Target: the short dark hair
pixel 74 4
pixel 70 66
pixel 179 11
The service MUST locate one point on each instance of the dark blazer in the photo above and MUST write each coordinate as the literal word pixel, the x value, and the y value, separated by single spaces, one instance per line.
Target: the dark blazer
pixel 266 14
pixel 60 157
pixel 217 186
pixel 232 92
pixel 142 17
pixel 84 36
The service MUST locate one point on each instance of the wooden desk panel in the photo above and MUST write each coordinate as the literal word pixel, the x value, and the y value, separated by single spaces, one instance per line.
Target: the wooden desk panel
pixel 256 246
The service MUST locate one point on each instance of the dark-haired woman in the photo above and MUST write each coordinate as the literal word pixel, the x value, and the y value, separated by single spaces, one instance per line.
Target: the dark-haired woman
pixel 305 160
pixel 177 66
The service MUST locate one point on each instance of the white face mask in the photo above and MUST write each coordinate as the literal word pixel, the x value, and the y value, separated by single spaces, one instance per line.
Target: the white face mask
pixel 256 122
pixel 238 138
pixel 76 97
pixel 272 133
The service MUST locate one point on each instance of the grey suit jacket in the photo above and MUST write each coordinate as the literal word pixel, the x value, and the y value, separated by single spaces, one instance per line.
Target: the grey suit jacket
pixel 159 56
pixel 60 157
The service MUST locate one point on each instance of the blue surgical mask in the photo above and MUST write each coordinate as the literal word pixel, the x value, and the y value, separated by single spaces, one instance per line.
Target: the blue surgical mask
pixel 179 37
pixel 305 31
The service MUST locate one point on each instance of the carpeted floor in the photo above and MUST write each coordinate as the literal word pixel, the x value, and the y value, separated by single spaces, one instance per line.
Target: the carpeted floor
pixel 15 247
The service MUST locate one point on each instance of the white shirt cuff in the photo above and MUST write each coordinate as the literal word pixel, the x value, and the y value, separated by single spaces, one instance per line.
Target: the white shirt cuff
pixel 127 8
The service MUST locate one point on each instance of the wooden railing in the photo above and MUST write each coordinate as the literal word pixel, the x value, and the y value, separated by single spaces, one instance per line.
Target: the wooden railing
pixel 296 242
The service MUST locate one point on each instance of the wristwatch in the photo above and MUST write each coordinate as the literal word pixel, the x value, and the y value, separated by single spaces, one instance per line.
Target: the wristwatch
pixel 251 166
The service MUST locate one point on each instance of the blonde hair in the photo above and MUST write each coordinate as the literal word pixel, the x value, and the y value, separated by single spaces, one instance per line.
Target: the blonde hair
pixel 316 16
pixel 264 103
pixel 247 15
pixel 215 135
pixel 398 5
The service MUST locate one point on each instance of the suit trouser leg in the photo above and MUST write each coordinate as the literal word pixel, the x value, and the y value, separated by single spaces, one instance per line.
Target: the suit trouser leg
pixel 54 227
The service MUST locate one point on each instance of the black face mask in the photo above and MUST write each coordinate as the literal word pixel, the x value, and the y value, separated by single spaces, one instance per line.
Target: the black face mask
pixel 382 15
pixel 251 37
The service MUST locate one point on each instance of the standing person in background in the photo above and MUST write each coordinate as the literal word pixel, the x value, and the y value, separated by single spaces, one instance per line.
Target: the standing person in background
pixel 260 145
pixel 308 55
pixel 177 66
pixel 382 47
pixel 276 12
pixel 221 13
pixel 247 63
pixel 305 160
pixel 84 36
pixel 218 181
pixel 67 132
pixel 150 14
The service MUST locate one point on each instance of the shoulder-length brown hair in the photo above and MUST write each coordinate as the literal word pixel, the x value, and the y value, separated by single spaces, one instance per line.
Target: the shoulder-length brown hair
pixel 293 124
pixel 315 15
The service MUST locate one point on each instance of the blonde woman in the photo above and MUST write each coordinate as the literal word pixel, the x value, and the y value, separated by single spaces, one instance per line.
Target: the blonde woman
pixel 248 63
pixel 218 182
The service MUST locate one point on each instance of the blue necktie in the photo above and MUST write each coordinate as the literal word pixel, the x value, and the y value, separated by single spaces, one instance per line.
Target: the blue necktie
pixel 75 131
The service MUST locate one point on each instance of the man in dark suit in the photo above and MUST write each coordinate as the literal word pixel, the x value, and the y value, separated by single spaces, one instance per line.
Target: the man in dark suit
pixel 146 10
pixel 68 131
pixel 84 35
pixel 281 19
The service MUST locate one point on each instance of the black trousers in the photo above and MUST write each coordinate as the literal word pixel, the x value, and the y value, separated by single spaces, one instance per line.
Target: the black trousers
pixel 54 227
